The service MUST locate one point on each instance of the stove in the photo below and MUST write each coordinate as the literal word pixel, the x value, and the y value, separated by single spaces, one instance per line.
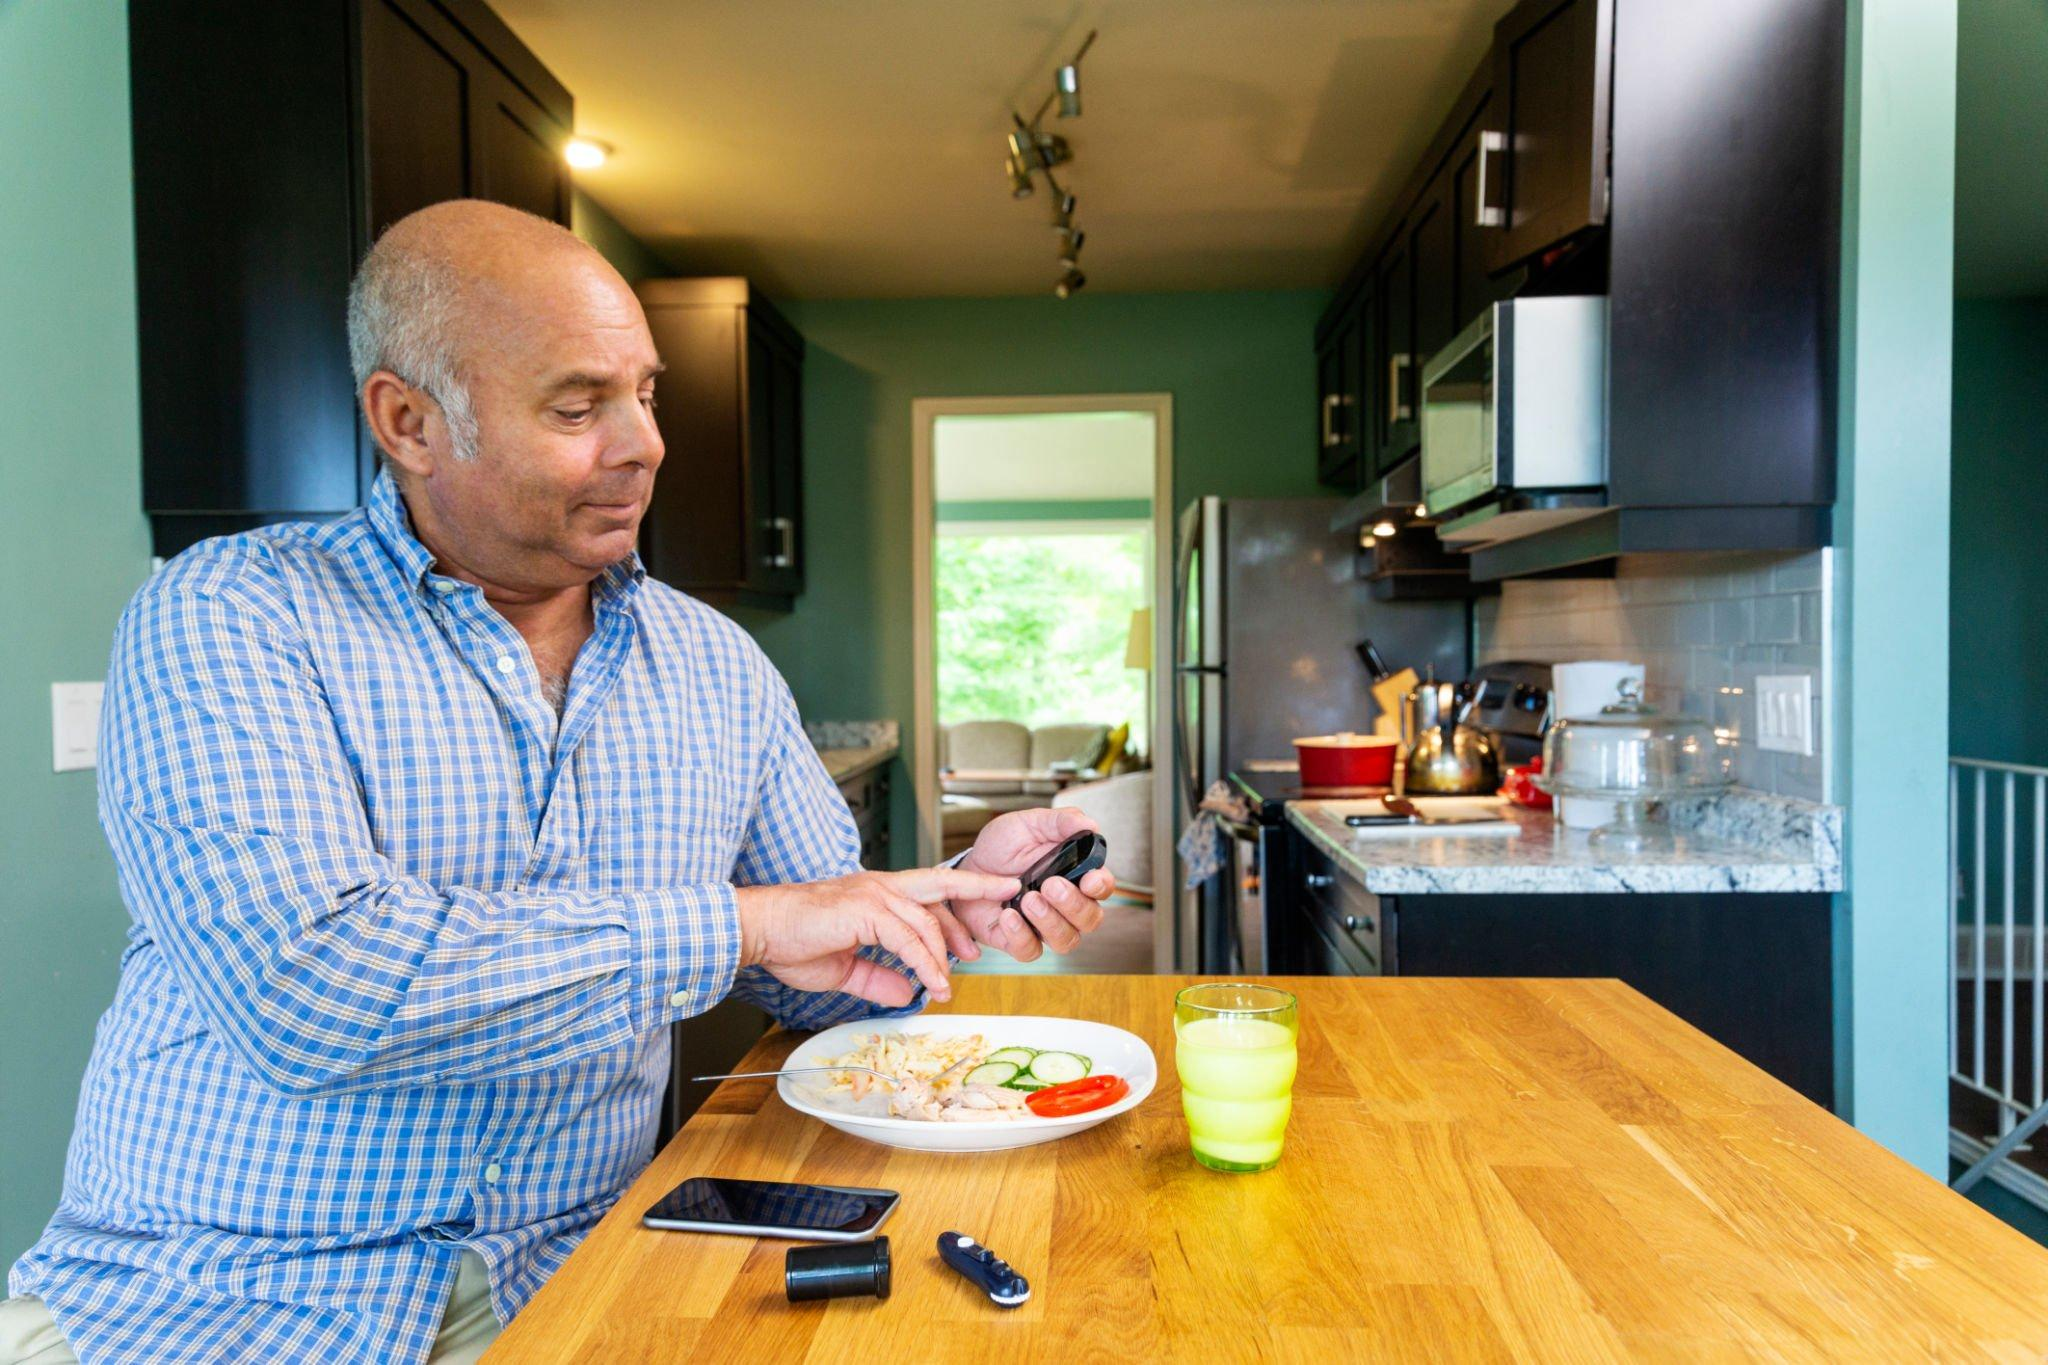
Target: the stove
pixel 1516 706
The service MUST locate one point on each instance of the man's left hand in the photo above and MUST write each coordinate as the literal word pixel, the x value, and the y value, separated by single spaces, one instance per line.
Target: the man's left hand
pixel 1054 916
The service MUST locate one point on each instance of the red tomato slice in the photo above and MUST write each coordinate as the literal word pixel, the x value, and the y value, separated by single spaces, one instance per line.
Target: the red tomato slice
pixel 1077 1097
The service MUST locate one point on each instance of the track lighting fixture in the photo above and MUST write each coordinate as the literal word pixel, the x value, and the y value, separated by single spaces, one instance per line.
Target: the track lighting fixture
pixel 1033 152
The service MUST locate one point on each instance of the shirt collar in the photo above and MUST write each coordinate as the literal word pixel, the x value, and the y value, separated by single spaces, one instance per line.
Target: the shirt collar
pixel 393 525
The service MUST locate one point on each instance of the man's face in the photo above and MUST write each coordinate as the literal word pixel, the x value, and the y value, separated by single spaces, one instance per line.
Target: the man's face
pixel 561 372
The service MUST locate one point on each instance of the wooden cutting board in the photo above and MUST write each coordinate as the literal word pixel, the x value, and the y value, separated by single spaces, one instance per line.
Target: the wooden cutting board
pixel 1486 814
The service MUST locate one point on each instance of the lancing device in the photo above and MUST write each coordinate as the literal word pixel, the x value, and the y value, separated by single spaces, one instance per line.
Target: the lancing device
pixel 989 1272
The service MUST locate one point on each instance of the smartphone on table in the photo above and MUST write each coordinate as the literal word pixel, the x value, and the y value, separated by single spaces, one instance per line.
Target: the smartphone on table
pixel 768 1208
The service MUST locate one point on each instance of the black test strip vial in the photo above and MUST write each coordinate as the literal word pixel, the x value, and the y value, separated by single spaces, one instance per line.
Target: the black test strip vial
pixel 837 1270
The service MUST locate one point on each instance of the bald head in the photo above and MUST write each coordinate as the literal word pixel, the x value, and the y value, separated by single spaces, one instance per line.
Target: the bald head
pixel 442 281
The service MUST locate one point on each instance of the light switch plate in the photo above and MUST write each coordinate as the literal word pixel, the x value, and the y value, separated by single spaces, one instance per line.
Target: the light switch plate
pixel 1784 713
pixel 75 725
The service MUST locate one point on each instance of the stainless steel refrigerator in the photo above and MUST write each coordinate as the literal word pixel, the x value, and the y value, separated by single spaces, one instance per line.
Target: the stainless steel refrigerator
pixel 1268 611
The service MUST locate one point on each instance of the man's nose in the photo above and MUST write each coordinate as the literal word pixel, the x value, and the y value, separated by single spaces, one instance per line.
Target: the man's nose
pixel 637 442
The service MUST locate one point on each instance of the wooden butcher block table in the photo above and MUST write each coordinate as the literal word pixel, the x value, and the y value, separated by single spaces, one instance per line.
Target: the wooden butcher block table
pixel 1476 1169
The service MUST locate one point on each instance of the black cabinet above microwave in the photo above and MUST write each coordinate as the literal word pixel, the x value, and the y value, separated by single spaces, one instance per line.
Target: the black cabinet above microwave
pixel 1686 161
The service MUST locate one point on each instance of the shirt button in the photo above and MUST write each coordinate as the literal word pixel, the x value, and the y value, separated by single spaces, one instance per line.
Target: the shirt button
pixel 493 1173
pixel 444 586
pixel 505 664
pixel 679 999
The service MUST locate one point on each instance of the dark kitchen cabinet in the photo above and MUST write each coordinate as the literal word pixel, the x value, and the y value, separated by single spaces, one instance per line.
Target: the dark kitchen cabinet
pixel 271 143
pixel 1433 254
pixel 1396 430
pixel 1473 226
pixel 726 523
pixel 867 799
pixel 1339 412
pixel 1552 83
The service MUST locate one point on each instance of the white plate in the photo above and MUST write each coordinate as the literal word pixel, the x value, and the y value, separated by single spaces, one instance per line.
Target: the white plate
pixel 1112 1050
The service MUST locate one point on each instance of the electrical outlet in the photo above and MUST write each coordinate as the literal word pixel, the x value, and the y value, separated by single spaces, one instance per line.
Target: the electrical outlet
pixel 1784 713
pixel 75 725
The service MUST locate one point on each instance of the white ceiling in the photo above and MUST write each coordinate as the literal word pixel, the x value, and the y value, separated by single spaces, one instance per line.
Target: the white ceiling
pixel 1047 457
pixel 836 150
pixel 2002 148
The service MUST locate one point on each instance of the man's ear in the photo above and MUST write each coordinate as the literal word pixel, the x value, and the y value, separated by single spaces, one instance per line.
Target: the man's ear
pixel 398 415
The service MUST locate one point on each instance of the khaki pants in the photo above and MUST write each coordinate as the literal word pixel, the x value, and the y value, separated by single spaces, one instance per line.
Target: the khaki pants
pixel 29 1337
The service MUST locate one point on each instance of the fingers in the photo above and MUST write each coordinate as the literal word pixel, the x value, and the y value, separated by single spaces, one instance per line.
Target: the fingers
pixel 1081 911
pixel 932 884
pixel 1099 884
pixel 893 932
pixel 1015 937
pixel 1052 926
pixel 873 981
pixel 920 921
pixel 954 935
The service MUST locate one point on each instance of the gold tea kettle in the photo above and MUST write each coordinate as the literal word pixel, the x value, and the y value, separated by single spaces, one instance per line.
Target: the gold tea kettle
pixel 1442 754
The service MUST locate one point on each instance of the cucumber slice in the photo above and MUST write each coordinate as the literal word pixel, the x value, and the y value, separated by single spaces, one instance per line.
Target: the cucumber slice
pixel 993 1073
pixel 1054 1068
pixel 1026 1084
pixel 1020 1055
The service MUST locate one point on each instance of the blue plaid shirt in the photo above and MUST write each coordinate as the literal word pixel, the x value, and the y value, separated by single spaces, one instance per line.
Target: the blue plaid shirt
pixel 405 944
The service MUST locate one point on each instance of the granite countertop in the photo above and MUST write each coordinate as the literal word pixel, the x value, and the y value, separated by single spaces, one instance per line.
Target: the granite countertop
pixel 1737 841
pixel 852 761
pixel 851 747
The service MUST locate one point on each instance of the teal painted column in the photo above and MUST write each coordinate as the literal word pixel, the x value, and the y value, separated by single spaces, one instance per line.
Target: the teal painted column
pixel 1893 570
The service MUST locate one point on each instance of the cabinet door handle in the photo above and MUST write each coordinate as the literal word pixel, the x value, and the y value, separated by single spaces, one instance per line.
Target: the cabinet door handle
pixel 1487 215
pixel 1358 923
pixel 1330 436
pixel 785 529
pixel 1399 410
pixel 1318 880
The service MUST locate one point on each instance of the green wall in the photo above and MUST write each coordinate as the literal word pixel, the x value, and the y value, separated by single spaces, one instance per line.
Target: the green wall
pixel 73 548
pixel 1998 565
pixel 1240 368
pixel 1892 575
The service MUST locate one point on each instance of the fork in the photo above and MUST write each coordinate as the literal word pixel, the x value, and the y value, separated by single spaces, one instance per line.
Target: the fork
pixel 813 1070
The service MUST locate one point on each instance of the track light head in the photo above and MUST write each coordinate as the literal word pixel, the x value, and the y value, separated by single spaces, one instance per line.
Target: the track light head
pixel 1070 283
pixel 1020 179
pixel 1068 82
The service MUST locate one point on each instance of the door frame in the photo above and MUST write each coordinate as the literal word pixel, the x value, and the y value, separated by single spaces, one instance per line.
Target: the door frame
pixel 924 414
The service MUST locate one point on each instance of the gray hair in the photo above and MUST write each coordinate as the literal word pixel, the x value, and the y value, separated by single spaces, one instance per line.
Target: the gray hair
pixel 403 312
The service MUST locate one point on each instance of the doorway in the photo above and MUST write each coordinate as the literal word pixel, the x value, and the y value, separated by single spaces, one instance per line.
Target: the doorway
pixel 1041 548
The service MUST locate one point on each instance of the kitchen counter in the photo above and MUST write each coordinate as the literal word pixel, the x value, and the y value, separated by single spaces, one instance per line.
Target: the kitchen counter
pixel 1475 1169
pixel 852 747
pixel 1737 841
pixel 851 762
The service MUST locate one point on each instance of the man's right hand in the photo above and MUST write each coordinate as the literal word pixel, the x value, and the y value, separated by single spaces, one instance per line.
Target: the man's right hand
pixel 808 934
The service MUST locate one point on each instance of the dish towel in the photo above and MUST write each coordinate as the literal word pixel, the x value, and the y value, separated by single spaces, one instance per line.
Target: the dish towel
pixel 1201 843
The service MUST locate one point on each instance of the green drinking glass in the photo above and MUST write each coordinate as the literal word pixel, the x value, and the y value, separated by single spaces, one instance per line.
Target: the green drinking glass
pixel 1234 1046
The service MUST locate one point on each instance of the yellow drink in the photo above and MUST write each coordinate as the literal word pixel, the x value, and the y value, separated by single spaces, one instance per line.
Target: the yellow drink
pixel 1237 1078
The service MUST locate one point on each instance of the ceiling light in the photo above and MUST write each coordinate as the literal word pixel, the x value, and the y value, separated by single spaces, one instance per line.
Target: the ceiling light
pixel 1421 509
pixel 1384 528
pixel 1034 152
pixel 585 153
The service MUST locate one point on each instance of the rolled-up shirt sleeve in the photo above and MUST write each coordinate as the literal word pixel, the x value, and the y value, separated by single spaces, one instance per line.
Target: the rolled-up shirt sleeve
pixel 802 831
pixel 243 847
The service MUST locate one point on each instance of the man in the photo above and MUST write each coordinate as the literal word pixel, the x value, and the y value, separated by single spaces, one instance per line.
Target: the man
pixel 431 821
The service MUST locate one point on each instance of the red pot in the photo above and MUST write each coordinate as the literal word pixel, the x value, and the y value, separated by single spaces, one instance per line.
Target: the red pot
pixel 1346 760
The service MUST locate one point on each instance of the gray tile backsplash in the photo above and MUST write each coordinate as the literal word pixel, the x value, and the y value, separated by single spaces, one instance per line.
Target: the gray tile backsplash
pixel 1703 627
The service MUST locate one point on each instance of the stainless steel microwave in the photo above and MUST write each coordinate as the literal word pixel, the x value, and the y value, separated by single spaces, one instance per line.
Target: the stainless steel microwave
pixel 1517 401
